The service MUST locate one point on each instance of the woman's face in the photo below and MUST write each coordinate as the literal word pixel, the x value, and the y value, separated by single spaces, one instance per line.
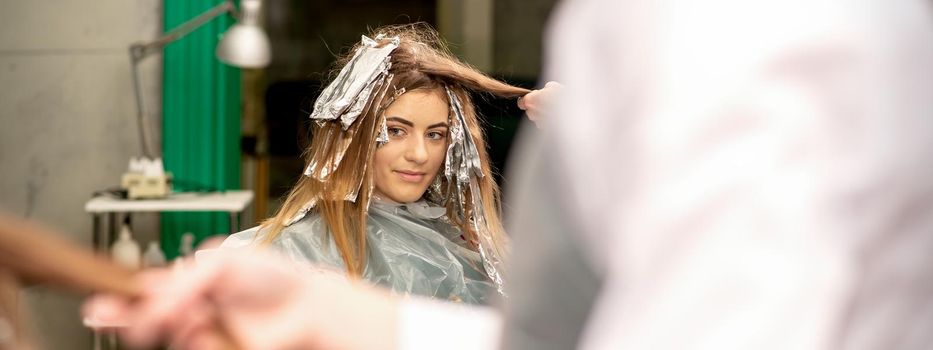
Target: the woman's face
pixel 404 167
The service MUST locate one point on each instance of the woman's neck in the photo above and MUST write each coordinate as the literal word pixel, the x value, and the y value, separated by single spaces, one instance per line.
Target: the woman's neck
pixel 380 198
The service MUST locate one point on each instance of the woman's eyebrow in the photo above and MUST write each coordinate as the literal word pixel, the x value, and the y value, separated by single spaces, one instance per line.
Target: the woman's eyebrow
pixel 401 120
pixel 438 125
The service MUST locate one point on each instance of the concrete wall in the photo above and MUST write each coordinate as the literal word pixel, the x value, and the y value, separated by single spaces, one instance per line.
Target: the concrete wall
pixel 67 123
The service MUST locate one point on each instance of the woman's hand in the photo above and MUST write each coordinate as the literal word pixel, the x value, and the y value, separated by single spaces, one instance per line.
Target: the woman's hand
pixel 538 102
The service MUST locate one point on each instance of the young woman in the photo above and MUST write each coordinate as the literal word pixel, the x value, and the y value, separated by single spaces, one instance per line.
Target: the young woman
pixel 398 188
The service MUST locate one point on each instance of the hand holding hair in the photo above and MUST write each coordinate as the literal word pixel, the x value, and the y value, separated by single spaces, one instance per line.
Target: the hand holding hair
pixel 538 102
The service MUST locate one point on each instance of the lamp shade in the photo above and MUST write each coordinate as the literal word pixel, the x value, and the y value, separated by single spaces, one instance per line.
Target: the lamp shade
pixel 245 44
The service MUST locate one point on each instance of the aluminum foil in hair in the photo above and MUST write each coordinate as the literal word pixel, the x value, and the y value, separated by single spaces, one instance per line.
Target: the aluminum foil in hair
pixel 325 161
pixel 301 213
pixel 381 88
pixel 462 168
pixel 363 80
pixel 346 96
pixel 492 257
pixel 383 136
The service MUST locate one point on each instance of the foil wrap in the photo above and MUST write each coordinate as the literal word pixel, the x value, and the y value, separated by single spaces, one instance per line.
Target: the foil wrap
pixel 462 169
pixel 364 79
pixel 346 96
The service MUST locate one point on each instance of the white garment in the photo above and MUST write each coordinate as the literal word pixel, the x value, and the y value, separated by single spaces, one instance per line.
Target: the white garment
pixel 748 174
pixel 430 324
pixel 755 174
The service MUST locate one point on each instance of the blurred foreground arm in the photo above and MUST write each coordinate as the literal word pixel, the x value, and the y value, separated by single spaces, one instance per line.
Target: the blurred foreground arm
pixel 33 253
pixel 258 300
pixel 262 301
pixel 36 254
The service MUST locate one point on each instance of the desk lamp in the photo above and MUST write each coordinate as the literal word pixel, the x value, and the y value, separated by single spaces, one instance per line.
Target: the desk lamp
pixel 244 45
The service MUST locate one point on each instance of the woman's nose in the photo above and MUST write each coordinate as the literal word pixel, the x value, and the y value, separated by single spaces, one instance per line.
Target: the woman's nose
pixel 417 151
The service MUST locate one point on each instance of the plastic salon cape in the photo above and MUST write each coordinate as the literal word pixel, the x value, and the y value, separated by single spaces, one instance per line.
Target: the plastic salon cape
pixel 411 248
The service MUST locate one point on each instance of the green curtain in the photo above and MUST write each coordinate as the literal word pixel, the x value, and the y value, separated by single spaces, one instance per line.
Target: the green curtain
pixel 200 120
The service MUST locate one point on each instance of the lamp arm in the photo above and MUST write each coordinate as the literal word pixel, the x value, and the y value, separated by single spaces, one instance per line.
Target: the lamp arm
pixel 141 50
pixel 138 51
pixel 140 113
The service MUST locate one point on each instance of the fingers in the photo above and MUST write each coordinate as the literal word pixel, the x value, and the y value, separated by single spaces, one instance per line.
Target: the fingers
pixel 553 85
pixel 199 329
pixel 211 339
pixel 105 311
pixel 537 102
pixel 196 306
pixel 530 99
pixel 171 301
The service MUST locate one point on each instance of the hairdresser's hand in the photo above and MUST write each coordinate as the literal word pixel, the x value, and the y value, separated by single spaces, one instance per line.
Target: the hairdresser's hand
pixel 538 102
pixel 255 301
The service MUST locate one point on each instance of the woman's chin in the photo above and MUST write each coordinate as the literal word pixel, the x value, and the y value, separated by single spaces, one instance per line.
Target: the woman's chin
pixel 397 197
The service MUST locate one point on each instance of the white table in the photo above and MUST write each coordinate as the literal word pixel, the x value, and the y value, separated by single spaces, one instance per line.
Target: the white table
pixel 232 202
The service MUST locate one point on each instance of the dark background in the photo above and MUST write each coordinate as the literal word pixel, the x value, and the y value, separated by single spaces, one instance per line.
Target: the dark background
pixel 307 35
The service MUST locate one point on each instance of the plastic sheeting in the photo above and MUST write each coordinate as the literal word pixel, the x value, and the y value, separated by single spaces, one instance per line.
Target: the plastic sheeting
pixel 411 249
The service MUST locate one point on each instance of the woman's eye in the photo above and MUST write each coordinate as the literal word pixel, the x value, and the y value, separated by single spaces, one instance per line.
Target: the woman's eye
pixel 395 131
pixel 436 135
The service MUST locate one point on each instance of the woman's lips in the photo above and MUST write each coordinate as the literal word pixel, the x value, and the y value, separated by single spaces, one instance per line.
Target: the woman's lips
pixel 410 176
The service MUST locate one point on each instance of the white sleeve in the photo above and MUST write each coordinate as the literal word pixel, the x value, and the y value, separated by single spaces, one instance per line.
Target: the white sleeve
pixel 749 175
pixel 429 324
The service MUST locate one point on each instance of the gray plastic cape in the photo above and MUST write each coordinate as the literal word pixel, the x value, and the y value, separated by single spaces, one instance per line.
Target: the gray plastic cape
pixel 411 249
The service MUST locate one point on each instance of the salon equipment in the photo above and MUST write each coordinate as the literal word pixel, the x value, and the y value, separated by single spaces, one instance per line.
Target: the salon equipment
pixel 126 251
pixel 244 45
pixel 154 257
pixel 101 207
pixel 146 178
pixel 139 186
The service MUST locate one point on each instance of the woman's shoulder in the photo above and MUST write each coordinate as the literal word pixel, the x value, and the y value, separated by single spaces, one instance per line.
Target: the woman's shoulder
pixel 240 239
pixel 309 225
pixel 305 240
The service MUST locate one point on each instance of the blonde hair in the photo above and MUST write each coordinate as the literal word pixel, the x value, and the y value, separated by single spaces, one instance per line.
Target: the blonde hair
pixel 421 61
